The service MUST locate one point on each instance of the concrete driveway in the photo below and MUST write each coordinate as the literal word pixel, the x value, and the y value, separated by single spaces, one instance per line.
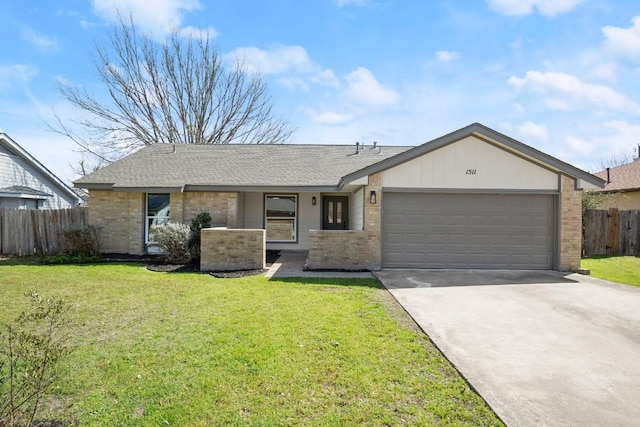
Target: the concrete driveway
pixel 542 348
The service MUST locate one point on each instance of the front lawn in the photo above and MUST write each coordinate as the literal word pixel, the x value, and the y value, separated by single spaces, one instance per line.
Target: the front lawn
pixel 187 349
pixel 621 269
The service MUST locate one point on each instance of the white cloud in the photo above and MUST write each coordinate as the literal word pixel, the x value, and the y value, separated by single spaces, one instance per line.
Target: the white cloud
pixel 606 139
pixel 276 60
pixel 198 33
pixel 530 130
pixel 160 16
pixel 580 145
pixel 549 8
pixel 624 42
pixel 40 41
pixel 292 63
pixel 10 75
pixel 447 55
pixel 330 117
pixel 364 89
pixel 343 3
pixel 578 95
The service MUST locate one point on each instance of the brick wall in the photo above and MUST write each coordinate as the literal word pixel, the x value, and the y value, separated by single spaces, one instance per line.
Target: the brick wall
pixel 343 250
pixel 373 219
pixel 121 215
pixel 570 225
pixel 232 249
pixel 223 207
pixel 121 218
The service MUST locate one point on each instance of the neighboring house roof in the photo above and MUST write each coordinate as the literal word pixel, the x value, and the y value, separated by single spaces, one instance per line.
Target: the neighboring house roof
pixel 622 178
pixel 11 148
pixel 170 167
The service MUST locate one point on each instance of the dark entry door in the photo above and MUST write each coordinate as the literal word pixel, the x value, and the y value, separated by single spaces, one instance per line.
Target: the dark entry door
pixel 335 213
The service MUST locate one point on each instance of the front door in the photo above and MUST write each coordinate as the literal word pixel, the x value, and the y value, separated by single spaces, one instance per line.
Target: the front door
pixel 335 213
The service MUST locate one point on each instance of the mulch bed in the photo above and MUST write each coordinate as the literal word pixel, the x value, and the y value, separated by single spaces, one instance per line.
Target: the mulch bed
pixel 156 265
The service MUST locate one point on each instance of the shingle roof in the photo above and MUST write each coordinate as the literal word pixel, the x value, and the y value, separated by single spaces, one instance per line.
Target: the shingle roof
pixel 622 178
pixel 234 165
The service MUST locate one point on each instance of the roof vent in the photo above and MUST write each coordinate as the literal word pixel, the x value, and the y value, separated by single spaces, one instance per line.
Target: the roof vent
pixel 637 150
pixel 374 145
pixel 608 175
pixel 357 147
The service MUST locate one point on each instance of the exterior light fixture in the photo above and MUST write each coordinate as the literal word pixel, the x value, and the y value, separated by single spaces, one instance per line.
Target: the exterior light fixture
pixel 372 197
pixel 313 200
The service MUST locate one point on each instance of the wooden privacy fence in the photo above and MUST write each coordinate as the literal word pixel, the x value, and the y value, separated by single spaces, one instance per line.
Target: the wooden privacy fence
pixel 37 232
pixel 611 232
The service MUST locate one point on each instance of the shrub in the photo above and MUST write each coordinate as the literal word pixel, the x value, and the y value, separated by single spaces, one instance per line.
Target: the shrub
pixel 82 241
pixel 173 239
pixel 202 220
pixel 30 349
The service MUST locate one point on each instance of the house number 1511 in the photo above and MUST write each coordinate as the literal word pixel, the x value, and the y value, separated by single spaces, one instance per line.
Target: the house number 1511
pixel 470 172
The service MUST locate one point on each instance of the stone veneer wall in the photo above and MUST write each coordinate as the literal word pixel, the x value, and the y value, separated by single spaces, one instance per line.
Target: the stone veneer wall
pixel 351 249
pixel 238 249
pixel 121 218
pixel 570 225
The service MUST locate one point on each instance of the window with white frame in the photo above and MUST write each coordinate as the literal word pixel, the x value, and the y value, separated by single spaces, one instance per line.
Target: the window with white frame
pixel 158 213
pixel 280 212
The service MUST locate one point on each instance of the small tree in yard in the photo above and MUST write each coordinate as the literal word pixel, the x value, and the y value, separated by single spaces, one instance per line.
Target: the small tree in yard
pixel 30 349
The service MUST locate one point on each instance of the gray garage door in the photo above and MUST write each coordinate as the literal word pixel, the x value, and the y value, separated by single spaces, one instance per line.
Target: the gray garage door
pixel 467 231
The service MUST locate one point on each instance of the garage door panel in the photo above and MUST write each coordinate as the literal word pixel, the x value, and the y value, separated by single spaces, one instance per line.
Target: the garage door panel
pixel 468 231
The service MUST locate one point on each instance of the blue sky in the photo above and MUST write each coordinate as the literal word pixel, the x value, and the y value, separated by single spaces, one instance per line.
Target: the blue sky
pixel 560 75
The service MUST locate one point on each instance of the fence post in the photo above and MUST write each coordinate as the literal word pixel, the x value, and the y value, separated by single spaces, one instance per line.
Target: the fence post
pixel 612 228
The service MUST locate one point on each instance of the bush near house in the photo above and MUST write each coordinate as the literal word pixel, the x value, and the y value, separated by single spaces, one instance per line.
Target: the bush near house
pixel 173 239
pixel 202 220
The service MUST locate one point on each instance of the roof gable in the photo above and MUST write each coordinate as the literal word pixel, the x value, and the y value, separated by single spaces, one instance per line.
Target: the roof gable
pixel 11 148
pixel 490 136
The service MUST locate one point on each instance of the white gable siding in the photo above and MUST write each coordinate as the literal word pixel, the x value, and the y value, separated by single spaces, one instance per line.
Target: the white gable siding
pixel 470 164
pixel 15 171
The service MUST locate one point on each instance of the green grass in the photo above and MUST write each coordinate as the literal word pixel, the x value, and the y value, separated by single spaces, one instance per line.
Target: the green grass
pixel 157 349
pixel 621 269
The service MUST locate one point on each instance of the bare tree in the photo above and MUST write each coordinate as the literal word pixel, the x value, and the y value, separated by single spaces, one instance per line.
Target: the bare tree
pixel 613 160
pixel 178 91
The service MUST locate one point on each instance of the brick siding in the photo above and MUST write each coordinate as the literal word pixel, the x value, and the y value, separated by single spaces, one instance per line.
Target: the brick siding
pixel 121 219
pixel 570 225
pixel 121 215
pixel 223 207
